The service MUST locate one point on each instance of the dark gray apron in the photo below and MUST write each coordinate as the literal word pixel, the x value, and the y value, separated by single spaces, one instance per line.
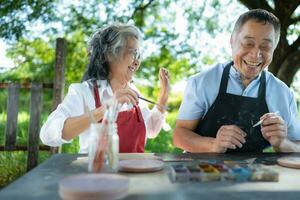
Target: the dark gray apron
pixel 230 109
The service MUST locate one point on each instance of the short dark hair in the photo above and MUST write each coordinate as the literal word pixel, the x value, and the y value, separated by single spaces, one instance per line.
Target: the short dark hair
pixel 259 15
pixel 108 43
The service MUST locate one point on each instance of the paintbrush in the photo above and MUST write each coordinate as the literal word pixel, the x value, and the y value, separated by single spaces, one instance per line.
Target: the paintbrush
pixel 261 121
pixel 154 103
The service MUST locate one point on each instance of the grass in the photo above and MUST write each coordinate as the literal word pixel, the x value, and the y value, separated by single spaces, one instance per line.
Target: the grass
pixel 13 165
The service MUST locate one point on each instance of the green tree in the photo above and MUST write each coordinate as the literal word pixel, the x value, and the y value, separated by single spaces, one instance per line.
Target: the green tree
pixel 35 61
pixel 17 16
pixel 80 20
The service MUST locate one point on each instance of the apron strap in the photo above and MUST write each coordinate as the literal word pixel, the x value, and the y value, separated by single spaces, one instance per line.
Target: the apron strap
pixel 138 113
pixel 262 87
pixel 96 94
pixel 224 80
pixel 225 76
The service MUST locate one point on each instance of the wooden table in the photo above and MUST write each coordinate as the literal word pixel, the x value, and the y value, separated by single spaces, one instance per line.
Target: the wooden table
pixel 42 181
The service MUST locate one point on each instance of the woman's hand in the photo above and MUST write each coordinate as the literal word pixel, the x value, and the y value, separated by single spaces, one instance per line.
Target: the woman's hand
pixel 126 95
pixel 164 88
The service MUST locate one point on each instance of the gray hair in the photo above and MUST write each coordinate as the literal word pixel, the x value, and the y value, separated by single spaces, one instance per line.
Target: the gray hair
pixel 259 15
pixel 105 45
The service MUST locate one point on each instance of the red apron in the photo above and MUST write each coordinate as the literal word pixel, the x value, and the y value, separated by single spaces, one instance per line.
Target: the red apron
pixel 131 127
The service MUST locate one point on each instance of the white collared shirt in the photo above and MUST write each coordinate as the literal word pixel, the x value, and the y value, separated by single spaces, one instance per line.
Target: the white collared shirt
pixel 72 105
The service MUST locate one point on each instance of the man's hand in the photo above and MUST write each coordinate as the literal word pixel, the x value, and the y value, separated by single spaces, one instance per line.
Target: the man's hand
pixel 228 137
pixel 274 129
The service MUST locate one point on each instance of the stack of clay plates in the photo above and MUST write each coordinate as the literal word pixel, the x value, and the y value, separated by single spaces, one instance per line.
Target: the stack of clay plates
pixel 93 186
pixel 140 165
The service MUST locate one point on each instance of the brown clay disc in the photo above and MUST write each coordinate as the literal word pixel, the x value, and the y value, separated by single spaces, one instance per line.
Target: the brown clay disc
pixel 140 165
pixel 289 161
pixel 94 186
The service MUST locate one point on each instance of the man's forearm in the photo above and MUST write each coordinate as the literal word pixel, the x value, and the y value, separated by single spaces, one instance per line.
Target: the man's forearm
pixel 192 142
pixel 288 146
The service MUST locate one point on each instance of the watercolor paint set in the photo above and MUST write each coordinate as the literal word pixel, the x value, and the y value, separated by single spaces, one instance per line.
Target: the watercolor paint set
pixel 207 172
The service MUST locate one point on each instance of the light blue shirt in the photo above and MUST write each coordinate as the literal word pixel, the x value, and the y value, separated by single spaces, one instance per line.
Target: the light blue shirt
pixel 203 88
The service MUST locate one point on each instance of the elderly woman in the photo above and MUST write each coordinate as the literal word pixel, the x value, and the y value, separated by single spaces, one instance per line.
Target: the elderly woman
pixel 114 57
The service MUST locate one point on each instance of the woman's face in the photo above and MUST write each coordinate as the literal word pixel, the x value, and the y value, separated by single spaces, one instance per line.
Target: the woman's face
pixel 128 64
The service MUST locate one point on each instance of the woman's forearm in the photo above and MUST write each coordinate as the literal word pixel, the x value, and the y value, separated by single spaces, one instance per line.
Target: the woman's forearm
pixel 162 100
pixel 73 126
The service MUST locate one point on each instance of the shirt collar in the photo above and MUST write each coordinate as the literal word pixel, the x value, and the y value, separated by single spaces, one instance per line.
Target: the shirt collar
pixel 105 88
pixel 236 74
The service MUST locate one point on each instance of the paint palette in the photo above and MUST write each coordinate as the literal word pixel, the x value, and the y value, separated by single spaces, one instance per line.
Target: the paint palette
pixel 207 172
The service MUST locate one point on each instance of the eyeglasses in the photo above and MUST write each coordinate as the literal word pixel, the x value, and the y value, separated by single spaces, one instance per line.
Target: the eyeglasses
pixel 135 53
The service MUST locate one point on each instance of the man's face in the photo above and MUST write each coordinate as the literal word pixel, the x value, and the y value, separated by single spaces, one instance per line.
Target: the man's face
pixel 252 48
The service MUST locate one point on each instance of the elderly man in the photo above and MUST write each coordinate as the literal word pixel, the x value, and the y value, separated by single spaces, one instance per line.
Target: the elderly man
pixel 221 106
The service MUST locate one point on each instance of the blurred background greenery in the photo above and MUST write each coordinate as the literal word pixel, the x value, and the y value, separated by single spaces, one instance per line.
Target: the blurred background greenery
pixel 183 36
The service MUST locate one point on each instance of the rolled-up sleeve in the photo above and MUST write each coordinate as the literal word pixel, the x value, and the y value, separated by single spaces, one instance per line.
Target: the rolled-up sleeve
pixel 154 120
pixel 192 107
pixel 293 122
pixel 72 105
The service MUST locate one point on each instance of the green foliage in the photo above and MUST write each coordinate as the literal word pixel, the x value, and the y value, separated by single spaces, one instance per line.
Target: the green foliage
pixel 35 58
pixel 269 150
pixel 208 60
pixel 3 100
pixel 76 57
pixel 13 165
pixel 71 147
pixel 164 141
pixel 23 115
pixel 17 16
pixel 2 126
pixel 35 61
pixel 179 68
